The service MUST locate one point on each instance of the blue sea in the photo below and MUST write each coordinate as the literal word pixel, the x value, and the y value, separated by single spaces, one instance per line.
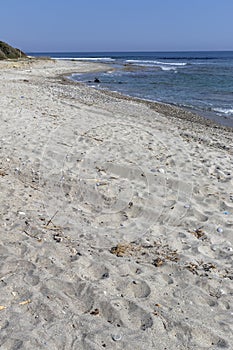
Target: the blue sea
pixel 199 81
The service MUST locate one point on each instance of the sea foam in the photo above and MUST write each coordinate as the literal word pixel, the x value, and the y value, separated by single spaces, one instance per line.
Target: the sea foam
pixel 228 111
pixel 146 62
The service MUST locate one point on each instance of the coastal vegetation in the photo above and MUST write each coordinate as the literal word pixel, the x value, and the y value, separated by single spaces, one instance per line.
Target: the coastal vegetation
pixel 9 52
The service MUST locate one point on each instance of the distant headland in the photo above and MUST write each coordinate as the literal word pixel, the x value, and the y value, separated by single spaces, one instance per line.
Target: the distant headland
pixel 9 52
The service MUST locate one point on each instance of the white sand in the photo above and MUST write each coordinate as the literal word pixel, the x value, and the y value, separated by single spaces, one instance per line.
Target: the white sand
pixel 116 219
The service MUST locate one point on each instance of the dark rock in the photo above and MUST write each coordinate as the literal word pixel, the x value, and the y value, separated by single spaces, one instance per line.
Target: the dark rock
pixel 96 80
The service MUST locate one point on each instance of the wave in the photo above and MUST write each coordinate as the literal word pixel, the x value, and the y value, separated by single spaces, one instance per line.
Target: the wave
pixel 228 111
pixel 156 63
pixel 104 59
pixel 188 58
pixel 165 66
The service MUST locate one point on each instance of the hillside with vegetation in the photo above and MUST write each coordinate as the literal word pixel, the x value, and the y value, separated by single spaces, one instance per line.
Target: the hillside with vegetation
pixel 9 52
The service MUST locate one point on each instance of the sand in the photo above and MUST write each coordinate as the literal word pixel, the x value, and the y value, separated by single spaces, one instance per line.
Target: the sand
pixel 116 218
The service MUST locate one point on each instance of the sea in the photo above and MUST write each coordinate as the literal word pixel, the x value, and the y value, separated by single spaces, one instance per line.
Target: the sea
pixel 198 81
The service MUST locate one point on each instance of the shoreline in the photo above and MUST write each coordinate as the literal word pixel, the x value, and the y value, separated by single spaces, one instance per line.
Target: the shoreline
pixel 173 113
pixel 165 108
pixel 212 116
pixel 116 218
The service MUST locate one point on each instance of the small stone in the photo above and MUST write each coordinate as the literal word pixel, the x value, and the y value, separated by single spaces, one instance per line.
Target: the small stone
pixel 73 251
pixel 116 337
pixel 219 230
pixel 186 206
pixel 105 275
pixel 162 171
pixel 95 312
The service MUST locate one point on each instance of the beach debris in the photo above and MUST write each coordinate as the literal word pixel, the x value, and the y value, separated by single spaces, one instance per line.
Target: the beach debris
pixel 199 233
pixel 158 305
pixel 50 220
pixel 157 312
pixel 219 230
pixel 171 255
pixel 99 170
pixel 192 267
pixel 31 235
pixel 116 337
pixel 52 227
pixel 199 266
pixel 25 302
pixel 155 253
pixel 3 173
pixel 57 238
pixel 158 262
pixel 121 249
pixel 208 266
pixel 103 183
pixel 226 212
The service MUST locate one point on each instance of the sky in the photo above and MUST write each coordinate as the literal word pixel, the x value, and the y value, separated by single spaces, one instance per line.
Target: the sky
pixel 121 25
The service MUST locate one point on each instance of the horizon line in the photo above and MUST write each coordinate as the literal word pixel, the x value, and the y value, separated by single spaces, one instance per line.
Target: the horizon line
pixel 128 51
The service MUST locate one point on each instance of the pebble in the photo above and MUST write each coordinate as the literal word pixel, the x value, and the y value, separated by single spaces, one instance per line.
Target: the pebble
pixel 17 170
pixel 219 229
pixel 162 171
pixel 116 337
pixel 226 212
pixel 186 206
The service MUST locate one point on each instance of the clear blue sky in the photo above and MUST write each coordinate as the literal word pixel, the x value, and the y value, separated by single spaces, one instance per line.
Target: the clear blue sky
pixel 117 25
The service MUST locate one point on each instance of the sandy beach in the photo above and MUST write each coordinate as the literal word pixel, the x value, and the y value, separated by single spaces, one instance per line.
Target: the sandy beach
pixel 116 218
